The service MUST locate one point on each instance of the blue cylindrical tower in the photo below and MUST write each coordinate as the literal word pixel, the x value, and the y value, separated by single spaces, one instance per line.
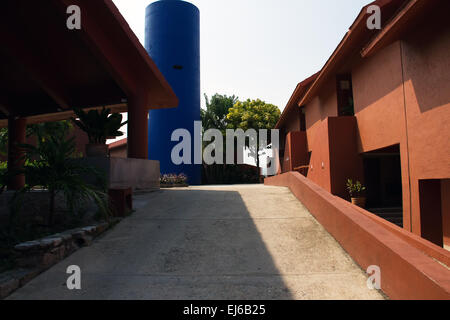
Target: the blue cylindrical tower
pixel 172 39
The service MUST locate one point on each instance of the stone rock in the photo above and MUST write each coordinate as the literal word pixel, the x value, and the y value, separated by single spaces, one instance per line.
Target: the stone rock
pixel 7 286
pixel 46 243
pixel 84 241
pixel 78 233
pixel 59 252
pixel 65 236
pixel 48 259
pixel 29 260
pixel 90 230
pixel 26 275
pixel 27 246
pixel 56 241
pixel 102 227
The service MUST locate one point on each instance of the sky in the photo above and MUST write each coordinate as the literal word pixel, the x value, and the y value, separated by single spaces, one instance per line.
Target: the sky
pixel 260 48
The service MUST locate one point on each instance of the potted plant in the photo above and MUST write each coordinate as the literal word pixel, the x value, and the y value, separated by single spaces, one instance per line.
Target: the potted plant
pixel 356 191
pixel 99 125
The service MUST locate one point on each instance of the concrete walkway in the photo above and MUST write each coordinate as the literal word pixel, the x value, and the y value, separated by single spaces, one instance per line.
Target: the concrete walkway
pixel 227 242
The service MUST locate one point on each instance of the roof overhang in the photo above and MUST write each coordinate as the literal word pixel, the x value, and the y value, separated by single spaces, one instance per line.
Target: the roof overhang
pixel 299 91
pixel 46 69
pixel 410 15
pixel 350 45
pixel 64 115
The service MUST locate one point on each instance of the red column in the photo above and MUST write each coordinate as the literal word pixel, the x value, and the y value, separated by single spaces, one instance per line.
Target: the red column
pixel 16 135
pixel 137 127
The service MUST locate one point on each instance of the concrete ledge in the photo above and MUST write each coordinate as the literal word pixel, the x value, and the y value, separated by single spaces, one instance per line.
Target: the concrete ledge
pixel 406 271
pixel 127 172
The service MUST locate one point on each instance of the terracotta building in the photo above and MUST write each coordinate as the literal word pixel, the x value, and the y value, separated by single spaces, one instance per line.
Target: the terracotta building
pixel 379 112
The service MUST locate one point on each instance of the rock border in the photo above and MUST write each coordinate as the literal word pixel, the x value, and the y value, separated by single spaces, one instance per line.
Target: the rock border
pixel 35 257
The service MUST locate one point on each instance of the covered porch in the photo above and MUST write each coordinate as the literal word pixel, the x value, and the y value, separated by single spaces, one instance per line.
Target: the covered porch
pixel 49 70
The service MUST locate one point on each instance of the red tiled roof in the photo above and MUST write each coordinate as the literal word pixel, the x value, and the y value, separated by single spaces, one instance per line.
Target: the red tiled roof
pixel 118 144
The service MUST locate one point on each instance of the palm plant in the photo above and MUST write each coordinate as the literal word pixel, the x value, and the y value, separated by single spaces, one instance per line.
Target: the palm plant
pixel 54 168
pixel 99 125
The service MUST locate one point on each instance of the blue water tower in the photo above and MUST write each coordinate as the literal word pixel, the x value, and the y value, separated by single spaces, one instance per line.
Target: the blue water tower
pixel 172 38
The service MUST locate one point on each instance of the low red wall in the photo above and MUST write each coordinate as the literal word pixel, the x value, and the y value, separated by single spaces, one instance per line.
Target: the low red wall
pixel 420 243
pixel 406 271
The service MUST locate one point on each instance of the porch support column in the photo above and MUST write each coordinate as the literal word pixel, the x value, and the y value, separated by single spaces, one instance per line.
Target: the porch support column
pixel 137 127
pixel 16 135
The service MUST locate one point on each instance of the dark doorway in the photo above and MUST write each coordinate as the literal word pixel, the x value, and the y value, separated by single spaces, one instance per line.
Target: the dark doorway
pixel 431 211
pixel 383 180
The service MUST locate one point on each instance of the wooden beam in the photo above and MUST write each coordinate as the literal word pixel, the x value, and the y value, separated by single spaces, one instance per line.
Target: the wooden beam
pixel 109 37
pixel 65 115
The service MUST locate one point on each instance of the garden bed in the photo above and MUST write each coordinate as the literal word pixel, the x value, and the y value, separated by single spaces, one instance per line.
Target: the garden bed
pixel 173 181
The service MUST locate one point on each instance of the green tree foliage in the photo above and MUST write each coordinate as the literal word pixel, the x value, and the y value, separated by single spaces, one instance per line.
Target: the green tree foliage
pixel 215 115
pixel 253 114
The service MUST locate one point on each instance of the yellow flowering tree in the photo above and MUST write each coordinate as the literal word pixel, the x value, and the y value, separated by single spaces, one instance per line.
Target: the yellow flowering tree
pixel 253 114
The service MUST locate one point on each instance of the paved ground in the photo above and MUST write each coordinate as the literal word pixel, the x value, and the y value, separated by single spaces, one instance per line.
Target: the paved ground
pixel 232 242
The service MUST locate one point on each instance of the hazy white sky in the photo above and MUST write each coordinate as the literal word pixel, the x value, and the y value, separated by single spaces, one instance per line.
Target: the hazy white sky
pixel 261 48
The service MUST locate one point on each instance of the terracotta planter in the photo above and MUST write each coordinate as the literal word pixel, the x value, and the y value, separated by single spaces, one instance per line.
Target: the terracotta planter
pixel 96 150
pixel 360 202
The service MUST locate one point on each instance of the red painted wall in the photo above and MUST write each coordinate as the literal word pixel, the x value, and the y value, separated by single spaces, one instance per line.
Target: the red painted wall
pixel 319 165
pixel 380 111
pixel 427 99
pixel 345 162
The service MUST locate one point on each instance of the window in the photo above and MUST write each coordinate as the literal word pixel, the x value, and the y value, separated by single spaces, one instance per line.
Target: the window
pixel 345 95
pixel 302 119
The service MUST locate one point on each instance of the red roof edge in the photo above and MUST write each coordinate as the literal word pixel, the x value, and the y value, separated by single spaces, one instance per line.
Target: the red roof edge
pixel 118 144
pixel 350 42
pixel 300 89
